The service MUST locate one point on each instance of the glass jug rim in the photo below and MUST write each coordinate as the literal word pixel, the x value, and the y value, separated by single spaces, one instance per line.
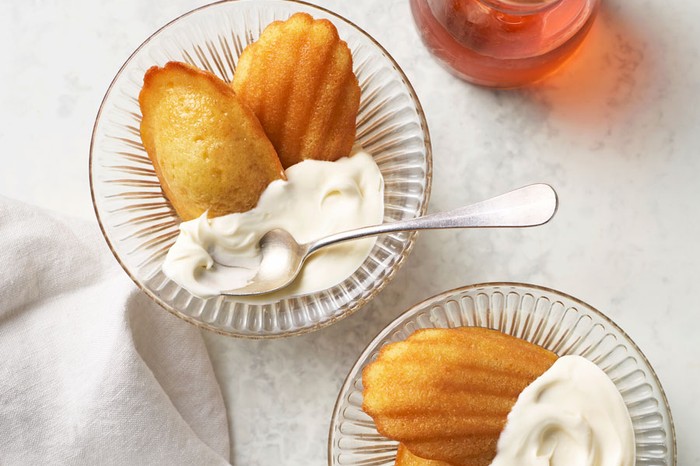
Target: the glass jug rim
pixel 522 7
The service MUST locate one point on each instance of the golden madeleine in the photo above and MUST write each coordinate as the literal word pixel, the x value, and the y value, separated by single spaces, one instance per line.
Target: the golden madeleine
pixel 298 80
pixel 209 151
pixel 406 458
pixel 445 394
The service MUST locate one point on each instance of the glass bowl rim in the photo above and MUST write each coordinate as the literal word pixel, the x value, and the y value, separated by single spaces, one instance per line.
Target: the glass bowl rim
pixel 410 241
pixel 426 303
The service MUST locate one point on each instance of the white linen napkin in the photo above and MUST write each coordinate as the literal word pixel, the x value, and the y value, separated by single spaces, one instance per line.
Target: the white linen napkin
pixel 93 372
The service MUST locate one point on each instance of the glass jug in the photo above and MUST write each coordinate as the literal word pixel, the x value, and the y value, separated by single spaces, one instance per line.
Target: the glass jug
pixel 503 43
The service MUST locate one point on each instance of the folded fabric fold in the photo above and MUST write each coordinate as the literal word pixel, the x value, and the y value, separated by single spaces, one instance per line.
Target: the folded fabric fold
pixel 92 371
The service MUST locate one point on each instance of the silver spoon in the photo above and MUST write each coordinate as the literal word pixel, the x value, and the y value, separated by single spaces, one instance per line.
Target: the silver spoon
pixel 282 256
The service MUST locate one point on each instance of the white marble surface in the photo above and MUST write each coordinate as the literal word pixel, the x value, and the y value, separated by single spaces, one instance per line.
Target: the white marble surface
pixel 616 132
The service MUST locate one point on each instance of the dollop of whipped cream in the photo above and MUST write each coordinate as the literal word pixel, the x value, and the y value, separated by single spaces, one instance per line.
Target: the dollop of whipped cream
pixel 318 198
pixel 572 415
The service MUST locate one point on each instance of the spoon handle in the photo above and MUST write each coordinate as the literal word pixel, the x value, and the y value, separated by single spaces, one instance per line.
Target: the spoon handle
pixel 528 206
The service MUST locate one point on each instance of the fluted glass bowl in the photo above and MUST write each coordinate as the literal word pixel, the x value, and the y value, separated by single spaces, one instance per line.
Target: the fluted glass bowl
pixel 140 224
pixel 553 320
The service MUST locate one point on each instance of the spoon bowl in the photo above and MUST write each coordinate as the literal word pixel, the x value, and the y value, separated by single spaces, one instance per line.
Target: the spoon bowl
pixel 283 257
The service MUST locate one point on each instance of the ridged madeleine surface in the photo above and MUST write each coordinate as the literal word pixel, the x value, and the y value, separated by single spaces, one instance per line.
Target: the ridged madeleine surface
pixel 208 150
pixel 298 80
pixel 445 394
pixel 405 458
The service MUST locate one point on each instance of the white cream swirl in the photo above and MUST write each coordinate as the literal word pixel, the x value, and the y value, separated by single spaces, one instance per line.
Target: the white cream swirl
pixel 318 199
pixel 572 415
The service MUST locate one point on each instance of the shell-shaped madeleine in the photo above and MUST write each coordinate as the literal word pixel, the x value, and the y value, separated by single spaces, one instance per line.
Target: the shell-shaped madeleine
pixel 208 150
pixel 298 80
pixel 445 394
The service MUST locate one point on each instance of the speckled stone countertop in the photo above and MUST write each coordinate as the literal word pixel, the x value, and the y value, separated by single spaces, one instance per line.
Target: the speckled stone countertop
pixel 616 131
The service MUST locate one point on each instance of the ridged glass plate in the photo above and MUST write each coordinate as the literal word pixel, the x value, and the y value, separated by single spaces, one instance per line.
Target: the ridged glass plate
pixel 545 317
pixel 139 223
